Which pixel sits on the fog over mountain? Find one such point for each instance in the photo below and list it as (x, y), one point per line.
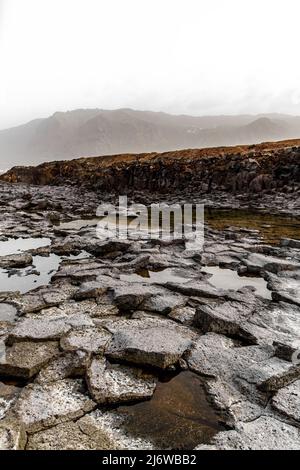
(88, 132)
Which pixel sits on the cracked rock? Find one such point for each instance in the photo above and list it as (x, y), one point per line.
(95, 431)
(90, 339)
(70, 364)
(111, 384)
(25, 359)
(17, 261)
(286, 401)
(42, 406)
(154, 342)
(248, 436)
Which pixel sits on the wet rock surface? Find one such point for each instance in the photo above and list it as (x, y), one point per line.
(139, 344)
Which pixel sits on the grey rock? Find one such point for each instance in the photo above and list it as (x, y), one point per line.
(112, 384)
(285, 288)
(38, 330)
(270, 375)
(248, 436)
(90, 290)
(286, 401)
(154, 342)
(25, 359)
(132, 296)
(8, 312)
(16, 261)
(90, 339)
(12, 434)
(197, 289)
(257, 262)
(254, 322)
(291, 243)
(95, 431)
(184, 315)
(163, 303)
(42, 406)
(8, 395)
(70, 364)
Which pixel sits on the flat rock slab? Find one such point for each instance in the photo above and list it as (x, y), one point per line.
(286, 289)
(287, 401)
(87, 307)
(25, 359)
(131, 296)
(290, 242)
(257, 262)
(270, 375)
(255, 322)
(95, 431)
(111, 384)
(69, 364)
(38, 330)
(154, 342)
(90, 290)
(44, 297)
(90, 339)
(184, 315)
(164, 303)
(197, 289)
(265, 433)
(216, 357)
(42, 406)
(16, 261)
(68, 436)
(229, 318)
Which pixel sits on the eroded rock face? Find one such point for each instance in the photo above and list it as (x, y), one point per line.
(205, 169)
(111, 384)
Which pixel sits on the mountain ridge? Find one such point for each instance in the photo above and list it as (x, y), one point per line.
(96, 132)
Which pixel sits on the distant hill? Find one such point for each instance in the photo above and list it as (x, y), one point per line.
(96, 132)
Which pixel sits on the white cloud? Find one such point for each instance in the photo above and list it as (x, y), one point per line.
(193, 56)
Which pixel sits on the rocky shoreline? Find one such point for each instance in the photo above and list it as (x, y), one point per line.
(121, 322)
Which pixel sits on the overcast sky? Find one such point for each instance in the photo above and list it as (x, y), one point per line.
(180, 56)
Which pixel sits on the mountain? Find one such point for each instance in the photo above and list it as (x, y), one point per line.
(96, 132)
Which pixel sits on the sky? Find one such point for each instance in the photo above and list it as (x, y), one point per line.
(180, 56)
